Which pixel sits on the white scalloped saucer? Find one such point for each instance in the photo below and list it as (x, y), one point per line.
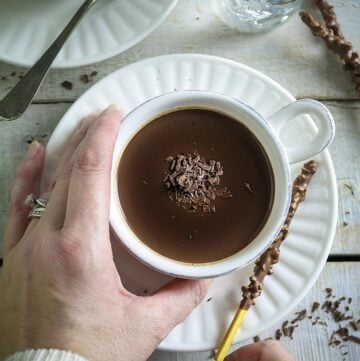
(303, 254)
(28, 27)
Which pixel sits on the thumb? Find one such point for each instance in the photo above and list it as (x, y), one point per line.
(176, 300)
(261, 351)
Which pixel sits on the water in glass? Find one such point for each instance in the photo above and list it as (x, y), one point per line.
(255, 15)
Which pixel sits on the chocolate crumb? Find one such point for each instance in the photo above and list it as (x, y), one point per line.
(278, 334)
(345, 224)
(1, 262)
(291, 331)
(350, 188)
(13, 73)
(145, 291)
(197, 18)
(349, 300)
(355, 325)
(300, 317)
(30, 140)
(315, 306)
(284, 325)
(256, 338)
(328, 292)
(67, 85)
(85, 78)
(347, 212)
(354, 339)
(209, 299)
(3, 78)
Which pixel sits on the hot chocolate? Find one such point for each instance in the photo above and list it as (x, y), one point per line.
(195, 185)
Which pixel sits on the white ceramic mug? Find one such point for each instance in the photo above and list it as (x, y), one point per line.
(267, 133)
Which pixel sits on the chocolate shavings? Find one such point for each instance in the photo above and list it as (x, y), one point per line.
(193, 182)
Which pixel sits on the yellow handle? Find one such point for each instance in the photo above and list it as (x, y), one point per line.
(230, 334)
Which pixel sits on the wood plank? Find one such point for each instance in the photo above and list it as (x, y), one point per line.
(309, 342)
(289, 54)
(40, 120)
(345, 152)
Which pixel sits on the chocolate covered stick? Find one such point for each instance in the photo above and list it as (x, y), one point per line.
(264, 264)
(330, 32)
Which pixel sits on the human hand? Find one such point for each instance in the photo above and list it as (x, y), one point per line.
(60, 287)
(261, 351)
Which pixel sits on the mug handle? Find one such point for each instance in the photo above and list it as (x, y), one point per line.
(324, 136)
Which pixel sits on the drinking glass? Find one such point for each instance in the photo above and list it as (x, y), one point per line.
(255, 15)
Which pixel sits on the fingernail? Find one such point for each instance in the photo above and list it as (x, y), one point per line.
(111, 109)
(32, 150)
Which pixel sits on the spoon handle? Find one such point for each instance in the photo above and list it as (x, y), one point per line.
(18, 99)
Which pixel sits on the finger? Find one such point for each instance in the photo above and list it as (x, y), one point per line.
(261, 351)
(89, 188)
(175, 301)
(70, 148)
(59, 186)
(26, 181)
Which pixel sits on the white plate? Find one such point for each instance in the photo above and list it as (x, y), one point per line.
(304, 253)
(28, 27)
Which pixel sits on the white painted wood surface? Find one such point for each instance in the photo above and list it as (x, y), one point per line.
(310, 343)
(290, 55)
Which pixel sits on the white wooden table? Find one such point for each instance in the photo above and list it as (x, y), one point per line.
(290, 55)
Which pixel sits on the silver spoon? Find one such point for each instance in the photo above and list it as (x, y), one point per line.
(18, 99)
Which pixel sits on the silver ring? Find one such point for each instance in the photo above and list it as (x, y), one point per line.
(37, 205)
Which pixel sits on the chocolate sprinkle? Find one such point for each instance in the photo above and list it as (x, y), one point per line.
(335, 313)
(300, 316)
(193, 182)
(88, 78)
(315, 306)
(68, 85)
(264, 264)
